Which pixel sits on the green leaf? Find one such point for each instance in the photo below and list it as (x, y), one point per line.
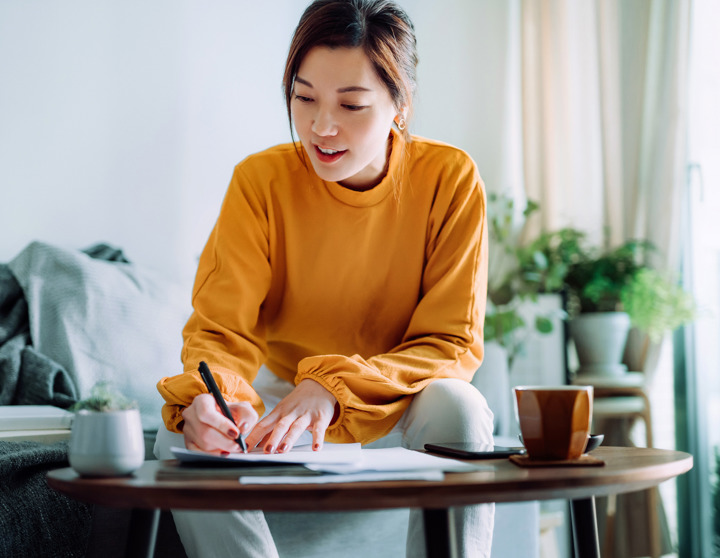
(543, 324)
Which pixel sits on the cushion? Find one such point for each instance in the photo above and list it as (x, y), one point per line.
(104, 321)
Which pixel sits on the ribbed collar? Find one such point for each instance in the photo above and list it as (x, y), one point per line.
(377, 194)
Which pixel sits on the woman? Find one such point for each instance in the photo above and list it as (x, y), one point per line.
(342, 290)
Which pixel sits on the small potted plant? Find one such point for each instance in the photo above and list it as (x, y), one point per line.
(107, 437)
(611, 291)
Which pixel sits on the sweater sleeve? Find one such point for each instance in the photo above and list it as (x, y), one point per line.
(226, 328)
(444, 338)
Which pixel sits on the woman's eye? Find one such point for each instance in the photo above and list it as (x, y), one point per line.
(354, 107)
(303, 99)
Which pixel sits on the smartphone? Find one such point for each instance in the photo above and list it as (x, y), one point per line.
(472, 450)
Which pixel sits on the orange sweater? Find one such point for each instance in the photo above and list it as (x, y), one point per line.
(372, 294)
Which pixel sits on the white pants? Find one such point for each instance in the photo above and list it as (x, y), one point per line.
(447, 410)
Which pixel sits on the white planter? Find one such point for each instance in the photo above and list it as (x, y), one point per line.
(493, 381)
(600, 339)
(104, 444)
(541, 360)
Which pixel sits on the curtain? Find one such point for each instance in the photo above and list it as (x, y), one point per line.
(604, 113)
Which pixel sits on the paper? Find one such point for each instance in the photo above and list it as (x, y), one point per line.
(352, 477)
(331, 453)
(340, 460)
(397, 459)
(173, 470)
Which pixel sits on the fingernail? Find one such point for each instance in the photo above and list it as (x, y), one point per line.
(224, 453)
(232, 433)
(316, 446)
(269, 449)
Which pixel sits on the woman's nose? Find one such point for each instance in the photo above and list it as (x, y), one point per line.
(324, 123)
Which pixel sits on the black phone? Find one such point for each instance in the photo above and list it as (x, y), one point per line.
(473, 450)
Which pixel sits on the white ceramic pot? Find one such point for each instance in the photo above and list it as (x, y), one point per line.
(492, 379)
(106, 444)
(600, 339)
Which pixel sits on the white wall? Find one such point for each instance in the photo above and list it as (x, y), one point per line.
(121, 121)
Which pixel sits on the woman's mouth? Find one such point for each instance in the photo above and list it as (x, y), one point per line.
(326, 155)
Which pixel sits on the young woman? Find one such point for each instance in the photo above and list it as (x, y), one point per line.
(342, 291)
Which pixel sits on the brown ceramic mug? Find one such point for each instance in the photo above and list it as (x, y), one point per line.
(554, 420)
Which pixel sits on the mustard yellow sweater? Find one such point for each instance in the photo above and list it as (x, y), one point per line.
(372, 294)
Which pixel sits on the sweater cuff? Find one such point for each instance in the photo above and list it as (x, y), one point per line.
(324, 370)
(180, 391)
(332, 387)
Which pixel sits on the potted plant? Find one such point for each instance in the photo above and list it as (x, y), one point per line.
(607, 292)
(523, 277)
(106, 437)
(508, 324)
(613, 290)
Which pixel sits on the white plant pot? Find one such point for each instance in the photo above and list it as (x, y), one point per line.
(600, 339)
(105, 444)
(492, 379)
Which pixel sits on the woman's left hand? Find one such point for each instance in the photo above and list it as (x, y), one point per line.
(308, 407)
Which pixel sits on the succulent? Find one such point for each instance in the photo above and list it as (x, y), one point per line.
(104, 398)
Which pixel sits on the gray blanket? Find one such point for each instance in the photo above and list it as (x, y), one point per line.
(36, 521)
(26, 376)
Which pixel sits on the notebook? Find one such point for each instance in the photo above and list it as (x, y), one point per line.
(34, 417)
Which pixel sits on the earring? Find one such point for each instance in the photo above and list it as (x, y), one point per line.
(401, 124)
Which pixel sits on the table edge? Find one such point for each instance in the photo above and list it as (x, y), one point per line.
(457, 489)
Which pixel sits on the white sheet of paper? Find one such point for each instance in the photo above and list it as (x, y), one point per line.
(373, 476)
(338, 459)
(398, 459)
(331, 453)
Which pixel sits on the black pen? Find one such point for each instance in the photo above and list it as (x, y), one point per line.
(207, 377)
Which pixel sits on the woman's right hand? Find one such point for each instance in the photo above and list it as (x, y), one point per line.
(207, 429)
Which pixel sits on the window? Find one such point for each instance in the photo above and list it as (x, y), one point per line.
(698, 380)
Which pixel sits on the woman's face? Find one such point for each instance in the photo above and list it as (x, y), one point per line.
(343, 113)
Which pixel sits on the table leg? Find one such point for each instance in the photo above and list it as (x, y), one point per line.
(437, 533)
(585, 531)
(142, 533)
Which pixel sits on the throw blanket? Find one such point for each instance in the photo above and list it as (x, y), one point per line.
(36, 521)
(26, 376)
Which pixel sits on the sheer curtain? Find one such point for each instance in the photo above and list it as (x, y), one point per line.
(604, 114)
(604, 117)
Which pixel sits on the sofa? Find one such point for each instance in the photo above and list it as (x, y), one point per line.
(92, 315)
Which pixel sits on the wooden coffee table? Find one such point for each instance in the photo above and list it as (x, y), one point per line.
(625, 470)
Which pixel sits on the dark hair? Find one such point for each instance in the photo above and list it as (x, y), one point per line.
(380, 27)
